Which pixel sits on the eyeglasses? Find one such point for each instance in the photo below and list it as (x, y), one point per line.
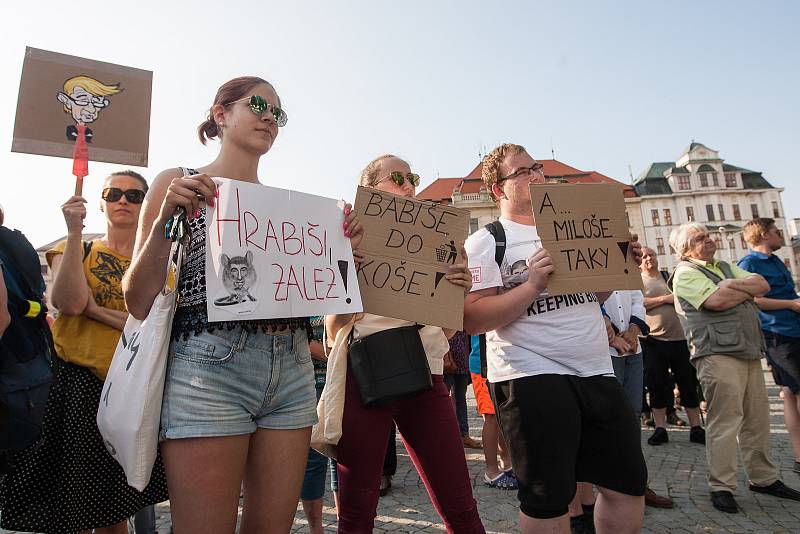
(85, 100)
(524, 171)
(398, 178)
(259, 106)
(113, 194)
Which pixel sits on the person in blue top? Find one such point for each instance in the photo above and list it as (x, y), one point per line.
(780, 319)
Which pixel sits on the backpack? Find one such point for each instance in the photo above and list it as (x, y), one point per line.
(26, 347)
(498, 232)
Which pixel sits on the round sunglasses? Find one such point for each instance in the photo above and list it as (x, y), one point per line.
(259, 106)
(113, 194)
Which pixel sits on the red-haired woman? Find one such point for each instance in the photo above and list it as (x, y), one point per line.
(239, 399)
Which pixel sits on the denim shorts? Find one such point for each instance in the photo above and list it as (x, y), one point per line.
(232, 382)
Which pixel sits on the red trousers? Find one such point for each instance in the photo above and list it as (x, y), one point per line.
(429, 429)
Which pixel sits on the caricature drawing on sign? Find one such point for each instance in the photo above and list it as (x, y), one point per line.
(83, 97)
(238, 278)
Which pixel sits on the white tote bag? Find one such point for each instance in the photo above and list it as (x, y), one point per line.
(130, 406)
(325, 435)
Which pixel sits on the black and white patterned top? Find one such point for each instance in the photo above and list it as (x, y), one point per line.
(191, 313)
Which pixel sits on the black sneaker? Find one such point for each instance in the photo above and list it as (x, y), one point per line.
(659, 437)
(724, 501)
(777, 489)
(697, 435)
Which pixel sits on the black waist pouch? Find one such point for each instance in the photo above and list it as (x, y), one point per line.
(390, 365)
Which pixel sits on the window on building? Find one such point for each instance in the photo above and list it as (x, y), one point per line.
(731, 244)
(730, 179)
(710, 212)
(667, 217)
(776, 212)
(742, 242)
(703, 179)
(628, 219)
(718, 241)
(660, 245)
(721, 212)
(689, 214)
(780, 233)
(737, 214)
(473, 225)
(754, 210)
(683, 183)
(654, 217)
(714, 179)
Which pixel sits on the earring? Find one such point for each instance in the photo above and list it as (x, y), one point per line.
(221, 125)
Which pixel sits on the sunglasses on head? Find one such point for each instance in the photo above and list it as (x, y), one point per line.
(259, 106)
(398, 178)
(113, 194)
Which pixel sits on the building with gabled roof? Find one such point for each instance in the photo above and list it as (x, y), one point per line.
(469, 192)
(700, 186)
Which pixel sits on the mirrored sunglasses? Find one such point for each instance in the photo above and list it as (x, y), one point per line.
(259, 106)
(398, 178)
(113, 194)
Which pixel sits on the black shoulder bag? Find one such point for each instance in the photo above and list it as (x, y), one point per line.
(390, 365)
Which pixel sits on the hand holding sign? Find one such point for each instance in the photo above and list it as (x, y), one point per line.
(540, 266)
(459, 274)
(584, 228)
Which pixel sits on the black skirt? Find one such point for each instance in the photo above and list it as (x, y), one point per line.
(68, 482)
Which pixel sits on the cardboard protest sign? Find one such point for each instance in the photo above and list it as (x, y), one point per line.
(584, 228)
(68, 100)
(273, 253)
(408, 245)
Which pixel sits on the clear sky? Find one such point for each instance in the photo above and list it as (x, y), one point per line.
(609, 84)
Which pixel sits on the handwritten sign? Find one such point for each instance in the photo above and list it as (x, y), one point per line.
(408, 245)
(273, 253)
(584, 228)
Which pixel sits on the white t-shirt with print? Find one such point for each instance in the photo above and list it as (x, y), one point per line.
(563, 335)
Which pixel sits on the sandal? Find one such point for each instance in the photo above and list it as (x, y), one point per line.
(502, 481)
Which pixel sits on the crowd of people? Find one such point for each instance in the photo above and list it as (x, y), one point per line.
(241, 397)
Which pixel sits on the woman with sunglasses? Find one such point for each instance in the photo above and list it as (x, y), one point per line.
(426, 421)
(239, 399)
(70, 483)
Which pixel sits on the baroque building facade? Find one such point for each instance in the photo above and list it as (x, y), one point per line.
(700, 186)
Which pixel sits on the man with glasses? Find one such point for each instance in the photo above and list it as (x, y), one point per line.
(83, 97)
(561, 410)
(714, 301)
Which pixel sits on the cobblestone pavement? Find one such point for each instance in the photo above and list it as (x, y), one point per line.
(677, 469)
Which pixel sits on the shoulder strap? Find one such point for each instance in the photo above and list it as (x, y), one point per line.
(87, 249)
(498, 232)
(726, 269)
